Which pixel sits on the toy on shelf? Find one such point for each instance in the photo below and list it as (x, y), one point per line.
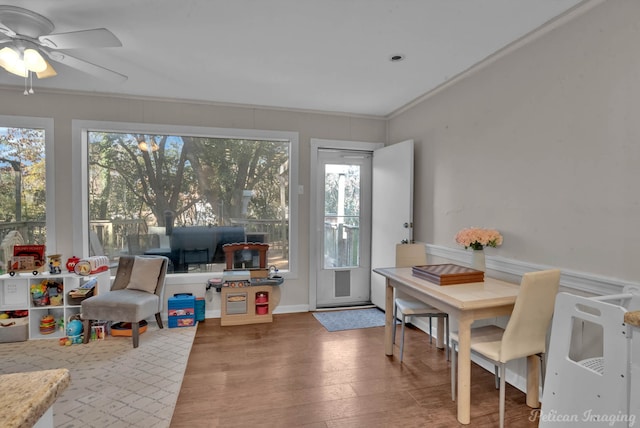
(55, 260)
(40, 294)
(47, 292)
(71, 263)
(48, 324)
(27, 258)
(85, 290)
(55, 290)
(92, 265)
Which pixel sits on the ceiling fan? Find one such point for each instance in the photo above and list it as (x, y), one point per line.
(26, 35)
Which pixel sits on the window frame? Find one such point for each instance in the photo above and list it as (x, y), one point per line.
(80, 185)
(45, 123)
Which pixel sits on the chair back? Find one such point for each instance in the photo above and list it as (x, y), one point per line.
(95, 245)
(526, 331)
(123, 275)
(408, 255)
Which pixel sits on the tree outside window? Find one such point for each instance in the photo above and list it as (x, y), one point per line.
(23, 184)
(146, 190)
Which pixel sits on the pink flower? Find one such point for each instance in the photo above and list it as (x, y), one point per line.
(477, 238)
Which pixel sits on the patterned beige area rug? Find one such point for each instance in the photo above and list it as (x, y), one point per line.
(112, 384)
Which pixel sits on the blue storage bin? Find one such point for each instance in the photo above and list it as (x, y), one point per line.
(182, 311)
(200, 309)
(184, 321)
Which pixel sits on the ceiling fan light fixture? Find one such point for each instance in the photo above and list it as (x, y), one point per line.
(34, 61)
(31, 61)
(8, 55)
(48, 72)
(10, 61)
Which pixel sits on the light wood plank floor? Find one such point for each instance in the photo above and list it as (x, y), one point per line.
(293, 373)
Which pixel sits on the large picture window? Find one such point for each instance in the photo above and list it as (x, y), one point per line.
(184, 196)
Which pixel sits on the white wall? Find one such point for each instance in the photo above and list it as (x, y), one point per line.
(65, 107)
(542, 144)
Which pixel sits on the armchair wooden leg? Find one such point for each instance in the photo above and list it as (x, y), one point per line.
(86, 328)
(135, 326)
(159, 320)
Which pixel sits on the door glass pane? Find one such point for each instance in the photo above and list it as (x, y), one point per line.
(341, 216)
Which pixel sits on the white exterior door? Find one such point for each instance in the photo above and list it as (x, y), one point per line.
(343, 235)
(392, 209)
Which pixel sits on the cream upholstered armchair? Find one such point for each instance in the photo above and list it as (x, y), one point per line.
(137, 293)
(526, 331)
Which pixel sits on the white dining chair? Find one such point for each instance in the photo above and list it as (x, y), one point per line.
(409, 255)
(525, 334)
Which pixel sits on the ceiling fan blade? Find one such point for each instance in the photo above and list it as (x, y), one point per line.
(85, 66)
(6, 30)
(96, 38)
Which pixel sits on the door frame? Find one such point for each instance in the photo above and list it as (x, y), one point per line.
(315, 145)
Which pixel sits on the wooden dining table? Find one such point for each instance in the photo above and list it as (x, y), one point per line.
(466, 303)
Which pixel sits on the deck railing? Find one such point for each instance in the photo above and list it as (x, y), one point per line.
(110, 236)
(33, 232)
(341, 245)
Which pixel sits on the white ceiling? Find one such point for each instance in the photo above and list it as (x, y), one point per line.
(326, 55)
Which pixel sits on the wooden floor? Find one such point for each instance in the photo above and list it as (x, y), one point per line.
(293, 373)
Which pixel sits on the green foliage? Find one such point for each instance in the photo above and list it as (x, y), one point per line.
(22, 171)
(200, 179)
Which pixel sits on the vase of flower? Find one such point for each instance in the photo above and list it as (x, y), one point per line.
(477, 260)
(476, 239)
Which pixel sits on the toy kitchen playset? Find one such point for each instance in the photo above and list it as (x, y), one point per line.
(249, 290)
